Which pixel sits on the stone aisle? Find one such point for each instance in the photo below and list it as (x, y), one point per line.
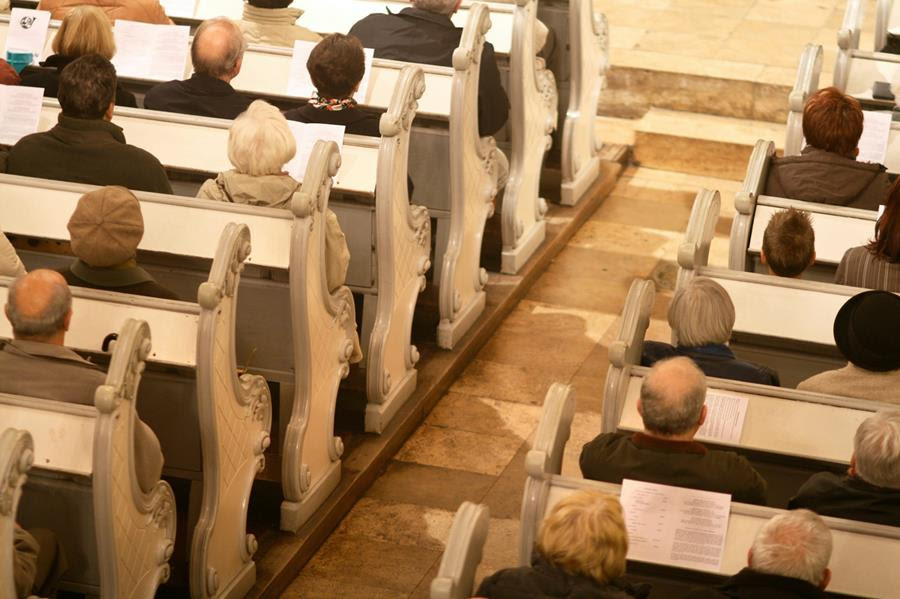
(472, 446)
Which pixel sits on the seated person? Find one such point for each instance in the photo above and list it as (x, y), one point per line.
(37, 363)
(217, 53)
(259, 146)
(336, 66)
(85, 30)
(876, 265)
(672, 407)
(580, 552)
(870, 491)
(826, 171)
(424, 33)
(701, 316)
(867, 333)
(274, 23)
(10, 264)
(84, 146)
(105, 230)
(789, 243)
(789, 558)
(147, 11)
(38, 562)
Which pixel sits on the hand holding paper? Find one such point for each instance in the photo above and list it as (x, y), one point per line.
(306, 136)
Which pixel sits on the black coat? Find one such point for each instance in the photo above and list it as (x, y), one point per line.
(714, 360)
(545, 581)
(848, 497)
(611, 457)
(748, 584)
(356, 120)
(91, 151)
(200, 95)
(47, 77)
(415, 35)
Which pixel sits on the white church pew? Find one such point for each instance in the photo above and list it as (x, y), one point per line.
(83, 485)
(860, 562)
(233, 415)
(811, 427)
(389, 239)
(456, 574)
(289, 243)
(837, 228)
(16, 458)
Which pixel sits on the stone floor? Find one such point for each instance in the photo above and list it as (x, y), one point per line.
(473, 444)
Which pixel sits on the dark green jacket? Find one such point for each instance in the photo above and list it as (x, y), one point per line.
(87, 151)
(612, 457)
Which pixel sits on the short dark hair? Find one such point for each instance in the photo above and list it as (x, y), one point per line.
(789, 242)
(336, 66)
(833, 121)
(886, 244)
(86, 87)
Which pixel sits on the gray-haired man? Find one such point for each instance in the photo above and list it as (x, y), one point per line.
(672, 408)
(870, 491)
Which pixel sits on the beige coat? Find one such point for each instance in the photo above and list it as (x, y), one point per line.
(852, 381)
(10, 265)
(24, 561)
(146, 11)
(274, 26)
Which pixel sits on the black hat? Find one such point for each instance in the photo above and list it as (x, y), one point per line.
(867, 330)
(270, 3)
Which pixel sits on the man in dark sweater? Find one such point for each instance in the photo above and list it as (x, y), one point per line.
(424, 33)
(105, 231)
(85, 147)
(672, 408)
(870, 491)
(217, 53)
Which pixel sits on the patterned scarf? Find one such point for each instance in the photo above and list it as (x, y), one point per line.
(331, 105)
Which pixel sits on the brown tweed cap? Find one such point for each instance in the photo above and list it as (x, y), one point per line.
(106, 227)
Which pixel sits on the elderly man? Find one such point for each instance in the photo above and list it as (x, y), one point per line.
(84, 146)
(424, 33)
(826, 171)
(789, 559)
(870, 491)
(217, 54)
(37, 363)
(672, 408)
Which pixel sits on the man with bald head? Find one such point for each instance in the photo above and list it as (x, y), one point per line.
(36, 362)
(217, 54)
(672, 407)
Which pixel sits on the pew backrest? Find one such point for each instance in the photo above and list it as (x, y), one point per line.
(456, 574)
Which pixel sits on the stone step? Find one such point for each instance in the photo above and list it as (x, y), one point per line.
(686, 142)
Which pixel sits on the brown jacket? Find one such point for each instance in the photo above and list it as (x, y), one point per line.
(146, 11)
(819, 176)
(48, 371)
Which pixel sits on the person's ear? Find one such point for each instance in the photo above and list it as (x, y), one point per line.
(812, 260)
(856, 152)
(826, 578)
(851, 471)
(640, 408)
(237, 67)
(750, 557)
(109, 111)
(762, 257)
(702, 416)
(67, 320)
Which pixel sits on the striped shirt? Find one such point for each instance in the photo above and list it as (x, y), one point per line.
(861, 268)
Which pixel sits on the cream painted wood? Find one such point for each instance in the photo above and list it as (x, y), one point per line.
(311, 465)
(806, 83)
(403, 238)
(456, 574)
(63, 438)
(887, 15)
(16, 457)
(860, 562)
(478, 169)
(589, 48)
(848, 40)
(745, 203)
(532, 121)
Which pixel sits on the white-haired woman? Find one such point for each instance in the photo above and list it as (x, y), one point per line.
(580, 553)
(259, 145)
(702, 316)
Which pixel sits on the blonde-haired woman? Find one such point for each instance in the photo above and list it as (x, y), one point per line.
(259, 145)
(85, 30)
(580, 553)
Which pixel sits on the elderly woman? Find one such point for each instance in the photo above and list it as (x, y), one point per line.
(259, 145)
(85, 30)
(580, 552)
(701, 316)
(336, 66)
(877, 264)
